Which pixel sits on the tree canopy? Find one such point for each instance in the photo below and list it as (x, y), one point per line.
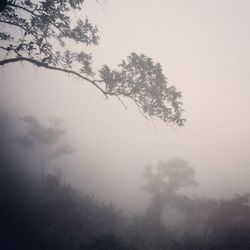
(170, 176)
(163, 184)
(46, 140)
(39, 32)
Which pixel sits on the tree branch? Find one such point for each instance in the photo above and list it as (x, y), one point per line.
(33, 33)
(23, 8)
(44, 65)
(4, 48)
(35, 15)
(14, 24)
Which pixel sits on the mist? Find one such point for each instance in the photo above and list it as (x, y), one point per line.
(203, 48)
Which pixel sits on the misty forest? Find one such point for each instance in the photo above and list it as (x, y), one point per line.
(124, 125)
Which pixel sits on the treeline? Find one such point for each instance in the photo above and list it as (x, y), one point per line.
(53, 215)
(57, 216)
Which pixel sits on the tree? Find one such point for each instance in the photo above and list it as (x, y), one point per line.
(164, 183)
(42, 138)
(170, 176)
(38, 32)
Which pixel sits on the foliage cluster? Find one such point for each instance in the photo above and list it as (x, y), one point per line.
(48, 34)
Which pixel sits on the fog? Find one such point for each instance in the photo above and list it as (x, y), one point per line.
(108, 149)
(204, 50)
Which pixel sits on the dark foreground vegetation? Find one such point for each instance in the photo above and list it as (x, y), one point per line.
(54, 215)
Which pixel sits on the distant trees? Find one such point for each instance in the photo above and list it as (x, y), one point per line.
(65, 218)
(207, 223)
(164, 181)
(45, 140)
(62, 218)
(39, 32)
(230, 221)
(109, 241)
(169, 176)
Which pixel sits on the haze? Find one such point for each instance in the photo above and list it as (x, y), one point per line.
(203, 47)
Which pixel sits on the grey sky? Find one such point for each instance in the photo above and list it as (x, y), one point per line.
(204, 48)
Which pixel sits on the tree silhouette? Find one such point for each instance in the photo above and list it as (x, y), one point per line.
(169, 176)
(163, 184)
(38, 32)
(42, 138)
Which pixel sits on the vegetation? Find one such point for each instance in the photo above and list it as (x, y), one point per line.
(164, 184)
(53, 214)
(41, 139)
(58, 216)
(40, 32)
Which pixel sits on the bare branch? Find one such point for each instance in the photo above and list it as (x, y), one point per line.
(122, 102)
(44, 65)
(14, 24)
(4, 48)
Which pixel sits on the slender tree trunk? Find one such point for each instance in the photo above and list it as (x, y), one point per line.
(42, 166)
(43, 173)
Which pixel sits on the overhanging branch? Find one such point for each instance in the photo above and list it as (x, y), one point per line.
(35, 15)
(44, 65)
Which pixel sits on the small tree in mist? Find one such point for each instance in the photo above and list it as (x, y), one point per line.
(45, 140)
(164, 182)
(38, 32)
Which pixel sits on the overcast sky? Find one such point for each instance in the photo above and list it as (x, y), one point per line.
(204, 48)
